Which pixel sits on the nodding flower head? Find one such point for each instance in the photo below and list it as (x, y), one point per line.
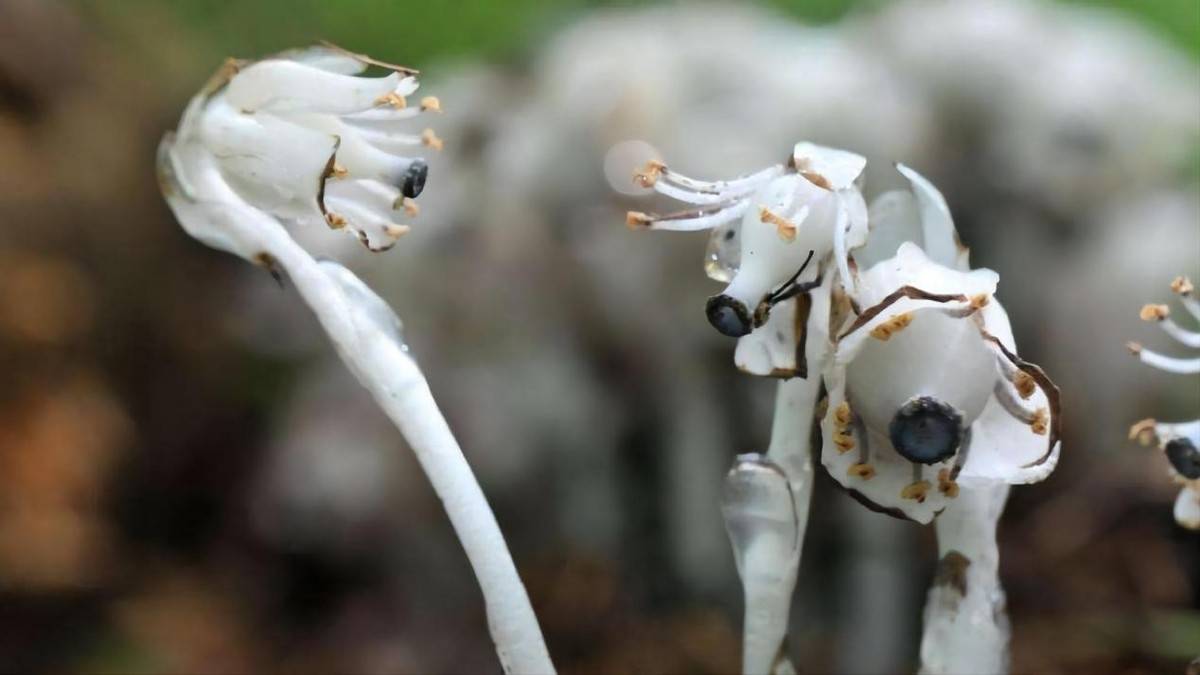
(1179, 442)
(925, 389)
(775, 233)
(298, 138)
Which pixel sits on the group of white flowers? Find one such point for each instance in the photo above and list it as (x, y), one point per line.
(924, 388)
(897, 351)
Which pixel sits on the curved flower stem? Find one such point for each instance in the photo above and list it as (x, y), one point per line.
(966, 627)
(381, 363)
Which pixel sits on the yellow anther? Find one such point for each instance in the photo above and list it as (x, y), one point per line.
(916, 491)
(841, 415)
(843, 441)
(393, 99)
(338, 171)
(637, 220)
(1024, 384)
(1134, 348)
(947, 485)
(980, 301)
(1144, 431)
(432, 104)
(894, 325)
(335, 221)
(1182, 286)
(1154, 312)
(1040, 422)
(861, 470)
(648, 175)
(785, 228)
(410, 206)
(396, 231)
(430, 139)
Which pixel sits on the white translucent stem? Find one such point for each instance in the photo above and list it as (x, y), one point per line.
(383, 366)
(767, 608)
(966, 626)
(1187, 337)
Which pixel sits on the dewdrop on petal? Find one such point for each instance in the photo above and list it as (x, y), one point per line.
(302, 138)
(1179, 442)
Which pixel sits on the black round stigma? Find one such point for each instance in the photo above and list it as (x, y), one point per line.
(413, 180)
(728, 315)
(1184, 456)
(926, 430)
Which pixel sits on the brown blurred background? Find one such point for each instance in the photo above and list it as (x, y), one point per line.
(190, 482)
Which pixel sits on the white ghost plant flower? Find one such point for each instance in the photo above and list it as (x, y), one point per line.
(296, 139)
(301, 137)
(930, 410)
(926, 392)
(775, 234)
(1180, 442)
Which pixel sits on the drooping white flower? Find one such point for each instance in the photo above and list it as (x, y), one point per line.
(288, 140)
(1181, 441)
(300, 138)
(777, 233)
(925, 388)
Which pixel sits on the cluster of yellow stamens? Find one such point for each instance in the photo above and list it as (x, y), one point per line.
(785, 228)
(1144, 431)
(1154, 312)
(916, 491)
(637, 220)
(1040, 422)
(430, 139)
(842, 437)
(1024, 384)
(649, 174)
(861, 470)
(393, 99)
(894, 325)
(947, 485)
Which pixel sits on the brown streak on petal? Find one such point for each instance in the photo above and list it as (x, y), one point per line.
(800, 326)
(405, 70)
(330, 171)
(1048, 388)
(911, 292)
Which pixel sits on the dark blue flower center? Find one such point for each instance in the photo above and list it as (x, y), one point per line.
(926, 430)
(1184, 456)
(728, 315)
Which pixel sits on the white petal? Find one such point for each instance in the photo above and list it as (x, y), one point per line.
(935, 355)
(839, 168)
(940, 239)
(892, 472)
(207, 208)
(767, 260)
(773, 348)
(325, 58)
(1187, 507)
(275, 165)
(894, 220)
(290, 86)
